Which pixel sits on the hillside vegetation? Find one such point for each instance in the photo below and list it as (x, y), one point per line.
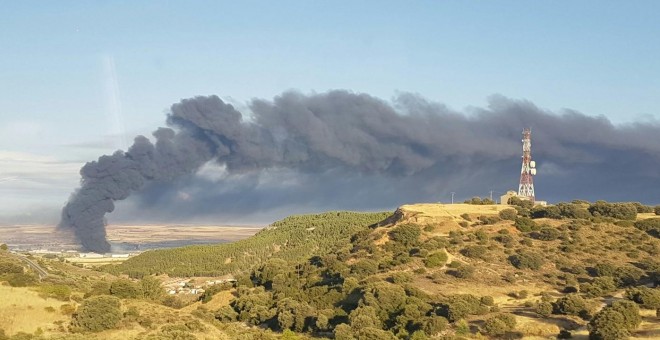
(428, 271)
(293, 239)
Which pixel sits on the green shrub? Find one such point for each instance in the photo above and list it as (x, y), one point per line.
(151, 288)
(630, 312)
(545, 212)
(571, 304)
(605, 269)
(499, 325)
(479, 201)
(365, 267)
(572, 210)
(21, 280)
(401, 277)
(7, 267)
(488, 219)
(546, 234)
(406, 234)
(475, 252)
(656, 209)
(457, 310)
(525, 224)
(641, 208)
(543, 308)
(650, 226)
(527, 260)
(125, 289)
(526, 204)
(487, 300)
(648, 298)
(343, 332)
(226, 314)
(599, 286)
(620, 211)
(463, 271)
(508, 214)
(628, 276)
(608, 324)
(436, 259)
(59, 292)
(97, 313)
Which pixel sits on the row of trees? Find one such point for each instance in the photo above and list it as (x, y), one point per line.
(583, 210)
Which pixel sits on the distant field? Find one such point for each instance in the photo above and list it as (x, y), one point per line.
(125, 237)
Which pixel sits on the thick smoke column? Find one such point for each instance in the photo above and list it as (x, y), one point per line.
(345, 135)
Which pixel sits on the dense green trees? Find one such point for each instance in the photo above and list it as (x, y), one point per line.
(608, 325)
(406, 234)
(294, 238)
(499, 325)
(125, 289)
(508, 214)
(97, 313)
(527, 260)
(572, 304)
(525, 204)
(621, 211)
(8, 267)
(615, 322)
(525, 224)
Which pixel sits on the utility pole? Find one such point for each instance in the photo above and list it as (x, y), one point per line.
(491, 195)
(452, 197)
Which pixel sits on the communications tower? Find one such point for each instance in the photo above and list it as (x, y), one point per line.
(526, 187)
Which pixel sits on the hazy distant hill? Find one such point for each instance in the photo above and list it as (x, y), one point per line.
(294, 238)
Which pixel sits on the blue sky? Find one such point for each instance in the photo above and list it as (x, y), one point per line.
(79, 79)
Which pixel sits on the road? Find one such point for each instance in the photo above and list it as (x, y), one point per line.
(42, 273)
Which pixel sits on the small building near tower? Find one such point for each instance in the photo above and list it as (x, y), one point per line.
(504, 199)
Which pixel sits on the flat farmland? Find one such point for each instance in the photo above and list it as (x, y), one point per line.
(125, 238)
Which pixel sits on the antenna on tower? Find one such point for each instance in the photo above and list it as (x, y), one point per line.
(526, 186)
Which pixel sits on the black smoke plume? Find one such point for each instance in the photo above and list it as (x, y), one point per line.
(341, 149)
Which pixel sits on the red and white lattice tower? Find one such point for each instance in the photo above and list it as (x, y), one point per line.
(528, 171)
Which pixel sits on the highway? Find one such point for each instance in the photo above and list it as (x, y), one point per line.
(42, 273)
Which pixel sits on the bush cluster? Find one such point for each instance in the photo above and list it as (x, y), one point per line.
(479, 201)
(97, 313)
(620, 211)
(615, 321)
(436, 259)
(527, 260)
(651, 226)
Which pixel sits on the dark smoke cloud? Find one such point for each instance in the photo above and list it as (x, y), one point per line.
(340, 150)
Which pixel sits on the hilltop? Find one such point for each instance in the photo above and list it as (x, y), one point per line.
(425, 271)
